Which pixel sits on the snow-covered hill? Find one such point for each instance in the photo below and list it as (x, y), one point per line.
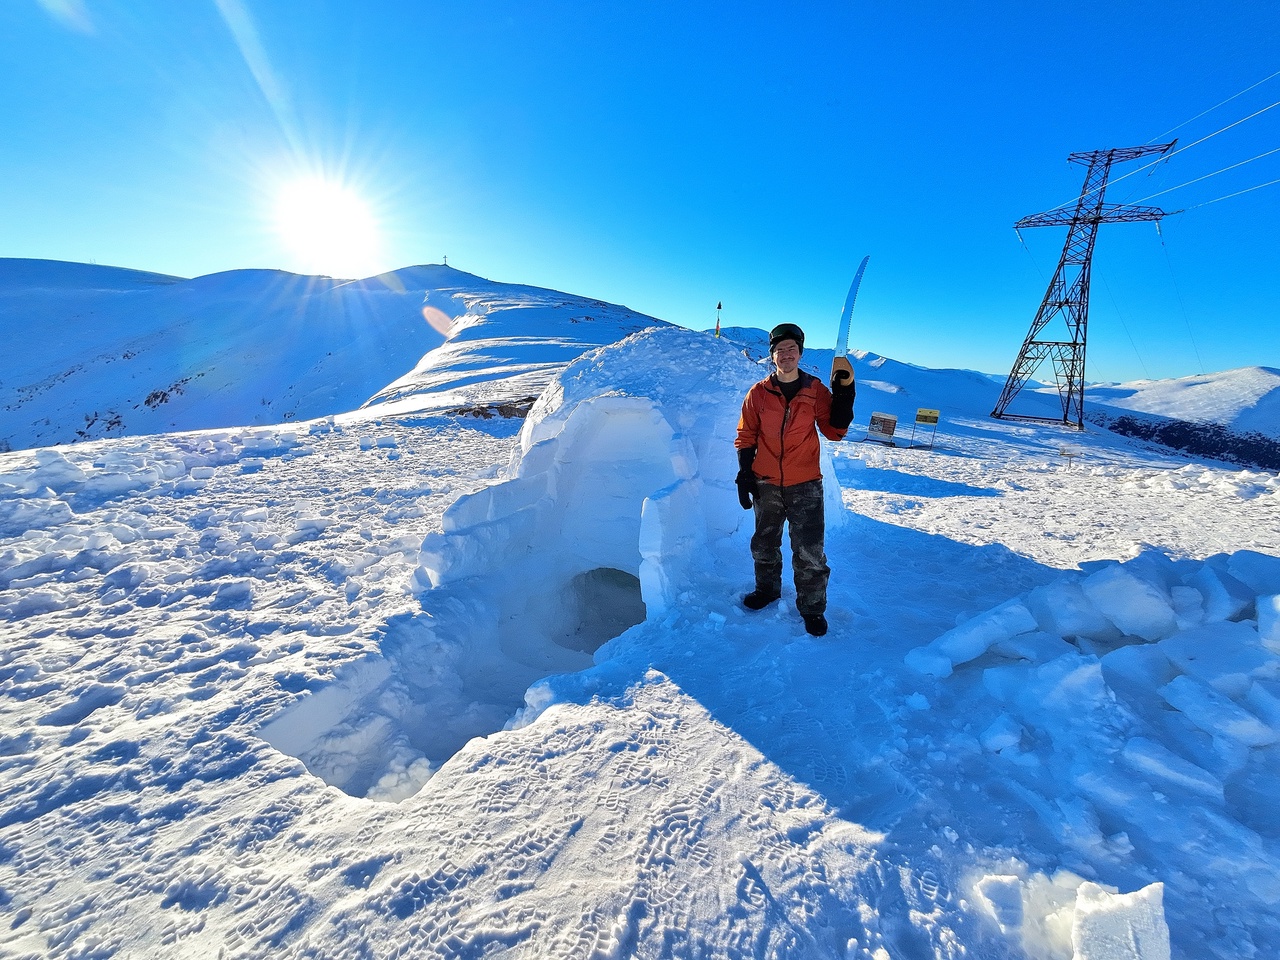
(404, 682)
(1245, 400)
(101, 352)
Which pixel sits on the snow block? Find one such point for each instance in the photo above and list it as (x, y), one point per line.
(1005, 732)
(1036, 647)
(1260, 572)
(1062, 608)
(1224, 655)
(1215, 714)
(1225, 597)
(1138, 607)
(928, 661)
(1269, 622)
(1120, 926)
(1136, 672)
(1155, 761)
(1188, 605)
(971, 639)
(1002, 898)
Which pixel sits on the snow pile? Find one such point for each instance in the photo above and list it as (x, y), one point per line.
(1171, 669)
(1064, 916)
(1149, 599)
(1196, 478)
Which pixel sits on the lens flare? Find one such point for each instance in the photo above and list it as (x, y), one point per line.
(327, 228)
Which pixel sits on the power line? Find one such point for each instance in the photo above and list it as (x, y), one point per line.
(1215, 107)
(1125, 326)
(1230, 195)
(1208, 175)
(1170, 156)
(1174, 279)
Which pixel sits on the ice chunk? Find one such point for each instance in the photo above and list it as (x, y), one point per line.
(1002, 897)
(972, 639)
(1215, 714)
(1225, 597)
(1037, 646)
(55, 471)
(1224, 655)
(1005, 732)
(1263, 699)
(1260, 572)
(1188, 605)
(1155, 760)
(1135, 672)
(927, 660)
(1062, 608)
(1138, 607)
(1120, 926)
(1269, 621)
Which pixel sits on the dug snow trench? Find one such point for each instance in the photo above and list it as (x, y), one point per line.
(599, 520)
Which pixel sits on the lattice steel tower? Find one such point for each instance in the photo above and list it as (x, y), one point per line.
(1068, 293)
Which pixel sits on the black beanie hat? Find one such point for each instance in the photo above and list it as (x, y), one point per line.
(786, 331)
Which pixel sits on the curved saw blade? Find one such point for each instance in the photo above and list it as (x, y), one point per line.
(846, 318)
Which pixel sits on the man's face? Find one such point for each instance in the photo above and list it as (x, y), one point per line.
(786, 355)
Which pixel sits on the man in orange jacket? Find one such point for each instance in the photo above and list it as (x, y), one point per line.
(779, 473)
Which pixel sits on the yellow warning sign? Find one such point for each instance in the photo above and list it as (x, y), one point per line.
(927, 416)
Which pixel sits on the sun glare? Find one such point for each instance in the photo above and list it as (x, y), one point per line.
(328, 229)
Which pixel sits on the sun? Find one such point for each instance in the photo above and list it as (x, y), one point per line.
(327, 228)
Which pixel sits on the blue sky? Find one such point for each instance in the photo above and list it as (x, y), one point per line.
(670, 155)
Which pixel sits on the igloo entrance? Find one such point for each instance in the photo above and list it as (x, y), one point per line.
(457, 671)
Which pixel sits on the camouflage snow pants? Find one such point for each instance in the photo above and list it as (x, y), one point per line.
(801, 507)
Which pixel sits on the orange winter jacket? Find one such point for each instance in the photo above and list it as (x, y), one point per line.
(783, 434)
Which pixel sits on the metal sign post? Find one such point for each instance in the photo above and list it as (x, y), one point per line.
(926, 416)
(882, 428)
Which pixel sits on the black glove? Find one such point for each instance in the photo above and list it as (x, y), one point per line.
(746, 480)
(841, 398)
(842, 404)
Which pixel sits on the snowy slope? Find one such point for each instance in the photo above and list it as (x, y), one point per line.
(506, 344)
(434, 686)
(112, 353)
(121, 353)
(1246, 400)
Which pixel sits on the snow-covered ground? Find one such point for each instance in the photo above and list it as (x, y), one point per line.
(397, 683)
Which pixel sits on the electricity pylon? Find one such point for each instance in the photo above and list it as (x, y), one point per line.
(1068, 293)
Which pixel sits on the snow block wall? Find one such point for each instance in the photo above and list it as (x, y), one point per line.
(624, 464)
(1139, 683)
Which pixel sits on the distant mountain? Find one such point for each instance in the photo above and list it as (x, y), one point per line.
(97, 351)
(1244, 400)
(100, 351)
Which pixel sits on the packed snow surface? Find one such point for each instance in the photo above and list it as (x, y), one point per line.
(409, 684)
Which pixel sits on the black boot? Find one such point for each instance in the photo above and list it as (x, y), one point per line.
(815, 624)
(758, 599)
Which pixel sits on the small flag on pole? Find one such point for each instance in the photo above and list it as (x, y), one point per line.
(718, 306)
